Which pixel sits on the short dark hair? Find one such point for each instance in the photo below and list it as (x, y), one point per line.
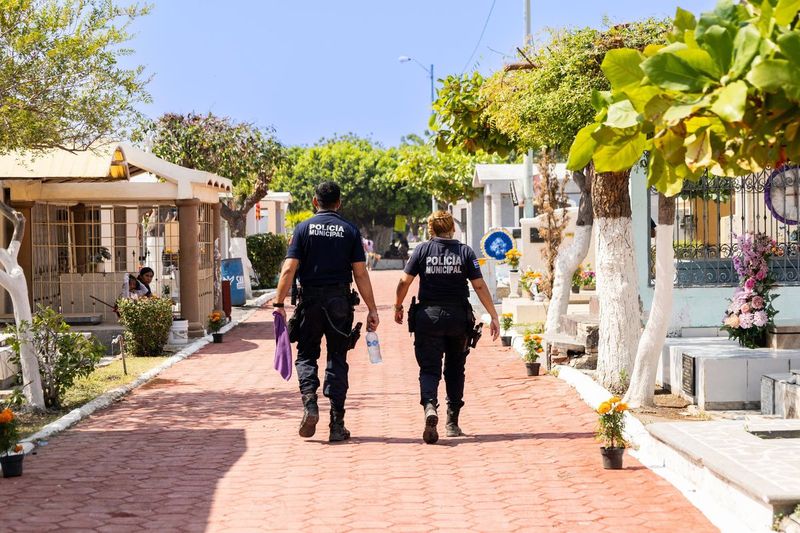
(328, 194)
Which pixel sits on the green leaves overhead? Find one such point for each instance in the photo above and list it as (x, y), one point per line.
(622, 68)
(723, 97)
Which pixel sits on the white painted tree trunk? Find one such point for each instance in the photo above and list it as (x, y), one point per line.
(566, 263)
(642, 388)
(239, 249)
(617, 291)
(12, 279)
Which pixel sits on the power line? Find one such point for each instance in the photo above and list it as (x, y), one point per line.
(485, 24)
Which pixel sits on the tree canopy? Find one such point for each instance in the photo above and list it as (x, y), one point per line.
(721, 97)
(364, 172)
(447, 175)
(545, 105)
(61, 84)
(248, 155)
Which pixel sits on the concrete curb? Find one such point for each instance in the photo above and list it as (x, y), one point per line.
(109, 397)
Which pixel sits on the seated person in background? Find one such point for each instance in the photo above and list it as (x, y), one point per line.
(131, 288)
(145, 277)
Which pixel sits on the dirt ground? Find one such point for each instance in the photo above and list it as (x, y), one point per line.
(668, 408)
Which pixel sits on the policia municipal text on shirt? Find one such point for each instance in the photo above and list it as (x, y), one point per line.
(443, 322)
(325, 255)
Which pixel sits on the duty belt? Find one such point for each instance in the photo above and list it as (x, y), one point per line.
(324, 291)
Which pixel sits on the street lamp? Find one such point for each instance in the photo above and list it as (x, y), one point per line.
(429, 71)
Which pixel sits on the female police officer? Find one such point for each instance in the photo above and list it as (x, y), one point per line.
(443, 320)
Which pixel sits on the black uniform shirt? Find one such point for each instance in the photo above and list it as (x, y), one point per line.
(443, 266)
(326, 245)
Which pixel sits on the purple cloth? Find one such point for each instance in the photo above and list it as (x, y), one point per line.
(283, 349)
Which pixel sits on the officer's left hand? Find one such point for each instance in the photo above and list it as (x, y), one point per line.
(398, 316)
(494, 328)
(281, 311)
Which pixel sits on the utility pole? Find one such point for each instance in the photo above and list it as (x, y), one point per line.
(527, 186)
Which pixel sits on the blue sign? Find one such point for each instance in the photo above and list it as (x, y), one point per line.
(496, 243)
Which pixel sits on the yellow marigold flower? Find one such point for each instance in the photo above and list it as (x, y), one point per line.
(6, 416)
(604, 408)
(614, 399)
(18, 448)
(620, 407)
(537, 338)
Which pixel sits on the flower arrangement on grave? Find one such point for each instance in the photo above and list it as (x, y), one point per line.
(512, 258)
(530, 281)
(577, 277)
(506, 321)
(215, 321)
(611, 423)
(588, 278)
(751, 312)
(9, 433)
(532, 343)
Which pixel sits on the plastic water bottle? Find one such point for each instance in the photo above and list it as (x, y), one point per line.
(374, 348)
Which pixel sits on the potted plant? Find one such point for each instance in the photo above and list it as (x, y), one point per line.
(577, 279)
(215, 322)
(97, 258)
(532, 343)
(588, 278)
(506, 322)
(610, 426)
(529, 281)
(512, 260)
(10, 450)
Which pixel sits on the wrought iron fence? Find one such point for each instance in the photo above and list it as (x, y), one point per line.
(711, 213)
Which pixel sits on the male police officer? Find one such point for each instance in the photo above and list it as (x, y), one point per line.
(326, 254)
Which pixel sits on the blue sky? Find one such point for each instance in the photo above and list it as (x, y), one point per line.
(313, 69)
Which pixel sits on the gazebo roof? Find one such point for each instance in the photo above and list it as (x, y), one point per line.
(104, 162)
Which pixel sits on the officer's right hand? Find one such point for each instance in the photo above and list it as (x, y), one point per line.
(281, 311)
(372, 320)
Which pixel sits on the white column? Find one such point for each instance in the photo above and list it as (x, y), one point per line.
(487, 209)
(497, 210)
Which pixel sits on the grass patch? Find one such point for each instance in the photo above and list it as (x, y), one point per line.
(87, 389)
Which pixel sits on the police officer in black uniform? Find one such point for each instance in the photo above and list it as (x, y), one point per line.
(443, 320)
(325, 254)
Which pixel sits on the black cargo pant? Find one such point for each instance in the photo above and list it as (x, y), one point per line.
(329, 313)
(442, 330)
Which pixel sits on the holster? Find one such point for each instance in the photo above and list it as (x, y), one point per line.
(412, 315)
(293, 324)
(474, 331)
(353, 298)
(354, 336)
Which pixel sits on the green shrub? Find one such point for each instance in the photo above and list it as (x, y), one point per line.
(266, 251)
(294, 218)
(147, 322)
(63, 355)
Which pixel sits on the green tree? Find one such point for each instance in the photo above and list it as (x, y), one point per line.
(364, 172)
(61, 86)
(460, 121)
(721, 97)
(248, 155)
(448, 175)
(545, 105)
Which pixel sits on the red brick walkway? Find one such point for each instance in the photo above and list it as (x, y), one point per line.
(212, 445)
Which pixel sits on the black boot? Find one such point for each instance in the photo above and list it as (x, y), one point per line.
(338, 431)
(452, 423)
(310, 415)
(430, 435)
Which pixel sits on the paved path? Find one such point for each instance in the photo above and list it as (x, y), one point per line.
(212, 445)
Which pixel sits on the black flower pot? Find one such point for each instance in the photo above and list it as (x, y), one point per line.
(612, 457)
(12, 465)
(576, 289)
(506, 340)
(532, 368)
(217, 337)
